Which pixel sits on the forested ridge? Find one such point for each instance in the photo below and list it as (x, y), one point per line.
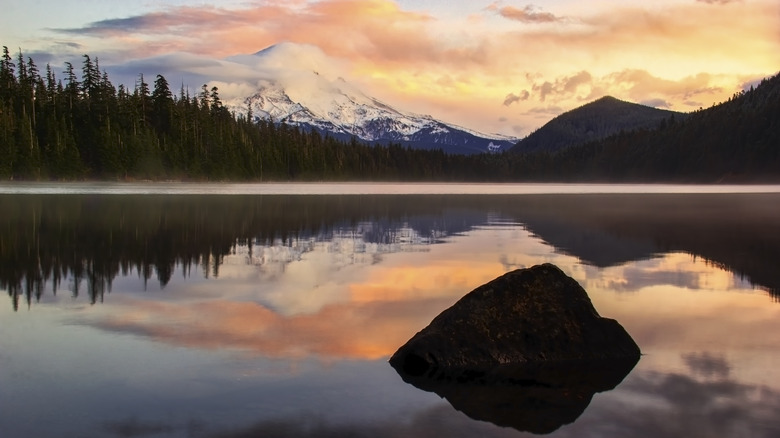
(81, 126)
(737, 140)
(74, 124)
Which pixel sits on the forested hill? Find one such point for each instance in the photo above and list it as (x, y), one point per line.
(593, 121)
(81, 126)
(735, 141)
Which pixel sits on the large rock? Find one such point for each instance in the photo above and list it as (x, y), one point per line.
(528, 316)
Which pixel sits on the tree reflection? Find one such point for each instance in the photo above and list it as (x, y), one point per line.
(92, 239)
(89, 240)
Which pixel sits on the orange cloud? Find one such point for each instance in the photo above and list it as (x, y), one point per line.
(464, 70)
(379, 316)
(340, 331)
(635, 85)
(379, 313)
(371, 28)
(527, 14)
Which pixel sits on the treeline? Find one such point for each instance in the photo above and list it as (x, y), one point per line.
(81, 126)
(734, 141)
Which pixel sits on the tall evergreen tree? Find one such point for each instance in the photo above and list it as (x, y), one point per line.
(71, 85)
(162, 105)
(7, 76)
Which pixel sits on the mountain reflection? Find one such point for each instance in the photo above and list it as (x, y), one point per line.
(89, 240)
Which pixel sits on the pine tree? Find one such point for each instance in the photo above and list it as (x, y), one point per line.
(142, 96)
(71, 86)
(7, 76)
(162, 105)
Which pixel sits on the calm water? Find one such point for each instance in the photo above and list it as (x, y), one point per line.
(240, 311)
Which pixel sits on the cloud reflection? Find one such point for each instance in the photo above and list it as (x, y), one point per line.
(675, 405)
(341, 331)
(647, 404)
(707, 365)
(364, 311)
(439, 420)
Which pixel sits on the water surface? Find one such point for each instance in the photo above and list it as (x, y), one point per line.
(230, 311)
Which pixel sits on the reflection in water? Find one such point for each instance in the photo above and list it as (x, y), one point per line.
(538, 398)
(647, 405)
(93, 239)
(279, 312)
(684, 404)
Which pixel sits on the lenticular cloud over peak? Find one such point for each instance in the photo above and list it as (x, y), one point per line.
(284, 58)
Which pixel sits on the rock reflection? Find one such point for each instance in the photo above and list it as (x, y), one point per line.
(537, 398)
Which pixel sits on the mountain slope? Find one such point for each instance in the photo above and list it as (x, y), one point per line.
(593, 121)
(735, 141)
(291, 89)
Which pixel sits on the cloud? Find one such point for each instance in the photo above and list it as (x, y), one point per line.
(457, 68)
(652, 404)
(438, 419)
(514, 98)
(375, 317)
(565, 86)
(719, 2)
(751, 83)
(369, 28)
(527, 14)
(253, 327)
(635, 85)
(656, 103)
(637, 278)
(571, 83)
(549, 110)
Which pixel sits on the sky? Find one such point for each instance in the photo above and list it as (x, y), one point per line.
(501, 66)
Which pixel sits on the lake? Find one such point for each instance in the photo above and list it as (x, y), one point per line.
(217, 310)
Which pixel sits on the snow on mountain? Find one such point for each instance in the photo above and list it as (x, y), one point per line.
(299, 85)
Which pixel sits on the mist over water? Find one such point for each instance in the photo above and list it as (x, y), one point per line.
(369, 188)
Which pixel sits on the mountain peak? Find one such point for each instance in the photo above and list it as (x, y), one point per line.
(608, 99)
(287, 47)
(593, 121)
(300, 85)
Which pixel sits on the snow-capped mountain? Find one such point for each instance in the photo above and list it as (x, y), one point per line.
(292, 90)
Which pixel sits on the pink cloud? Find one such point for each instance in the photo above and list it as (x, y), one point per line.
(371, 28)
(527, 14)
(719, 2)
(412, 59)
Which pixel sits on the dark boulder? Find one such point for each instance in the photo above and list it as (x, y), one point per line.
(528, 316)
